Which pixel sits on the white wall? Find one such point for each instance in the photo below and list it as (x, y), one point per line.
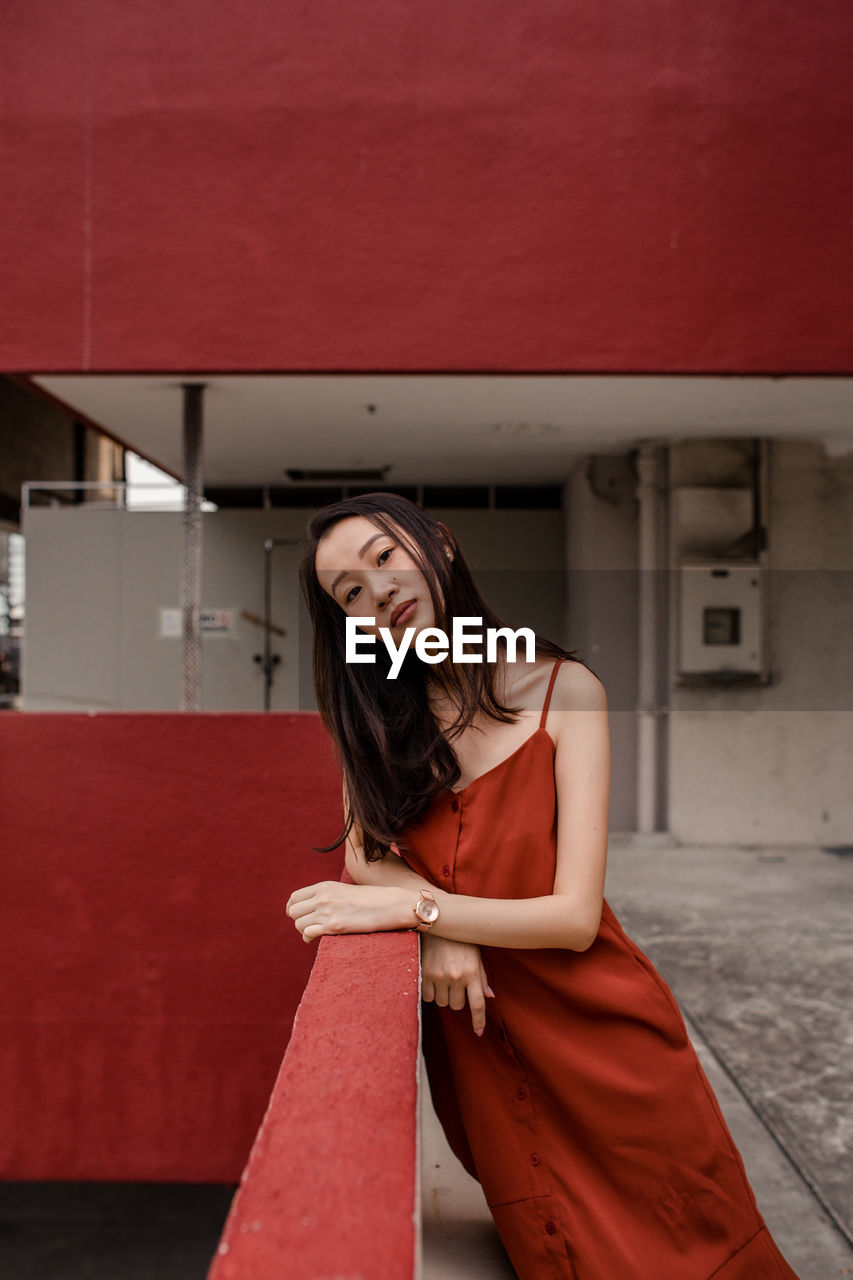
(775, 763)
(96, 580)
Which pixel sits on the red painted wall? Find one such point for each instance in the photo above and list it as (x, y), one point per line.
(150, 976)
(555, 185)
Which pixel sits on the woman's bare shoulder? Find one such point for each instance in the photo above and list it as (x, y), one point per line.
(577, 688)
(527, 684)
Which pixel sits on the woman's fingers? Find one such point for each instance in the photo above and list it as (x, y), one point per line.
(484, 982)
(297, 909)
(300, 895)
(452, 973)
(477, 1001)
(478, 989)
(457, 996)
(302, 908)
(334, 907)
(300, 903)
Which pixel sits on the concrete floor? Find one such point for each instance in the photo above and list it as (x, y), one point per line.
(759, 943)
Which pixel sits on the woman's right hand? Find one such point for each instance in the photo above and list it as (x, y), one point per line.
(452, 972)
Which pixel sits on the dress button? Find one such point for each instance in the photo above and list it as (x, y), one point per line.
(445, 871)
(521, 1094)
(454, 804)
(534, 1160)
(551, 1228)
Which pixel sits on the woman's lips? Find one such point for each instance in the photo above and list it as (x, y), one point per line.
(403, 611)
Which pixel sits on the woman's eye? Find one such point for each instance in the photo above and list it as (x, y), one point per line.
(349, 597)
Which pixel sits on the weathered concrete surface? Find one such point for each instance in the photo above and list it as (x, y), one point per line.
(757, 945)
(808, 1239)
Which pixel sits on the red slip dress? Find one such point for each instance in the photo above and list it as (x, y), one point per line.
(583, 1110)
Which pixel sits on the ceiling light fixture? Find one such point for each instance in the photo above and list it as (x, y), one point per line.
(337, 476)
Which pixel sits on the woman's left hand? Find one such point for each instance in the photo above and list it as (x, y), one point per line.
(332, 906)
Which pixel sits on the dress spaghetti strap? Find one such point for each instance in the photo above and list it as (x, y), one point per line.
(548, 694)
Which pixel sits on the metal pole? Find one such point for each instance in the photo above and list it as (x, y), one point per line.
(191, 553)
(647, 707)
(268, 546)
(268, 660)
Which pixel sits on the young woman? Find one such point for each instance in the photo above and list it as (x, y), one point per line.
(476, 800)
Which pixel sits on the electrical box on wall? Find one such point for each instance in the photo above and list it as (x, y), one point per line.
(720, 632)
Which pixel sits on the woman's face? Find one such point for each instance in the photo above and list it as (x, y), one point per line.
(371, 574)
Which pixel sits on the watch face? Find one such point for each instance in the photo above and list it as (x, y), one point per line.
(427, 911)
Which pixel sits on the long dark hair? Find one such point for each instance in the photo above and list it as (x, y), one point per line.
(393, 755)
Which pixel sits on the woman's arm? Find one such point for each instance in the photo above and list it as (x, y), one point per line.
(385, 892)
(452, 973)
(334, 907)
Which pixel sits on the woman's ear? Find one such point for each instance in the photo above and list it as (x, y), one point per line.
(449, 544)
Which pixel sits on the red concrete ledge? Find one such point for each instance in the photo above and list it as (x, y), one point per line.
(331, 1183)
(150, 974)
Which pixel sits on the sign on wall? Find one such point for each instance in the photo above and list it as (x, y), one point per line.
(212, 622)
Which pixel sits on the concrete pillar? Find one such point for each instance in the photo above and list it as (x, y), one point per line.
(192, 547)
(648, 461)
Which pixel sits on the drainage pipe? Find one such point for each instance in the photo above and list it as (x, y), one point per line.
(191, 549)
(648, 461)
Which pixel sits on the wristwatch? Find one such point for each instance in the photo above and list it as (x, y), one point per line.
(426, 910)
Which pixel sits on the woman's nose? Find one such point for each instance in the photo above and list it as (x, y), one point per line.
(383, 591)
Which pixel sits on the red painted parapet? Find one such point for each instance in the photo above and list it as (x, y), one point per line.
(331, 1184)
(150, 974)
